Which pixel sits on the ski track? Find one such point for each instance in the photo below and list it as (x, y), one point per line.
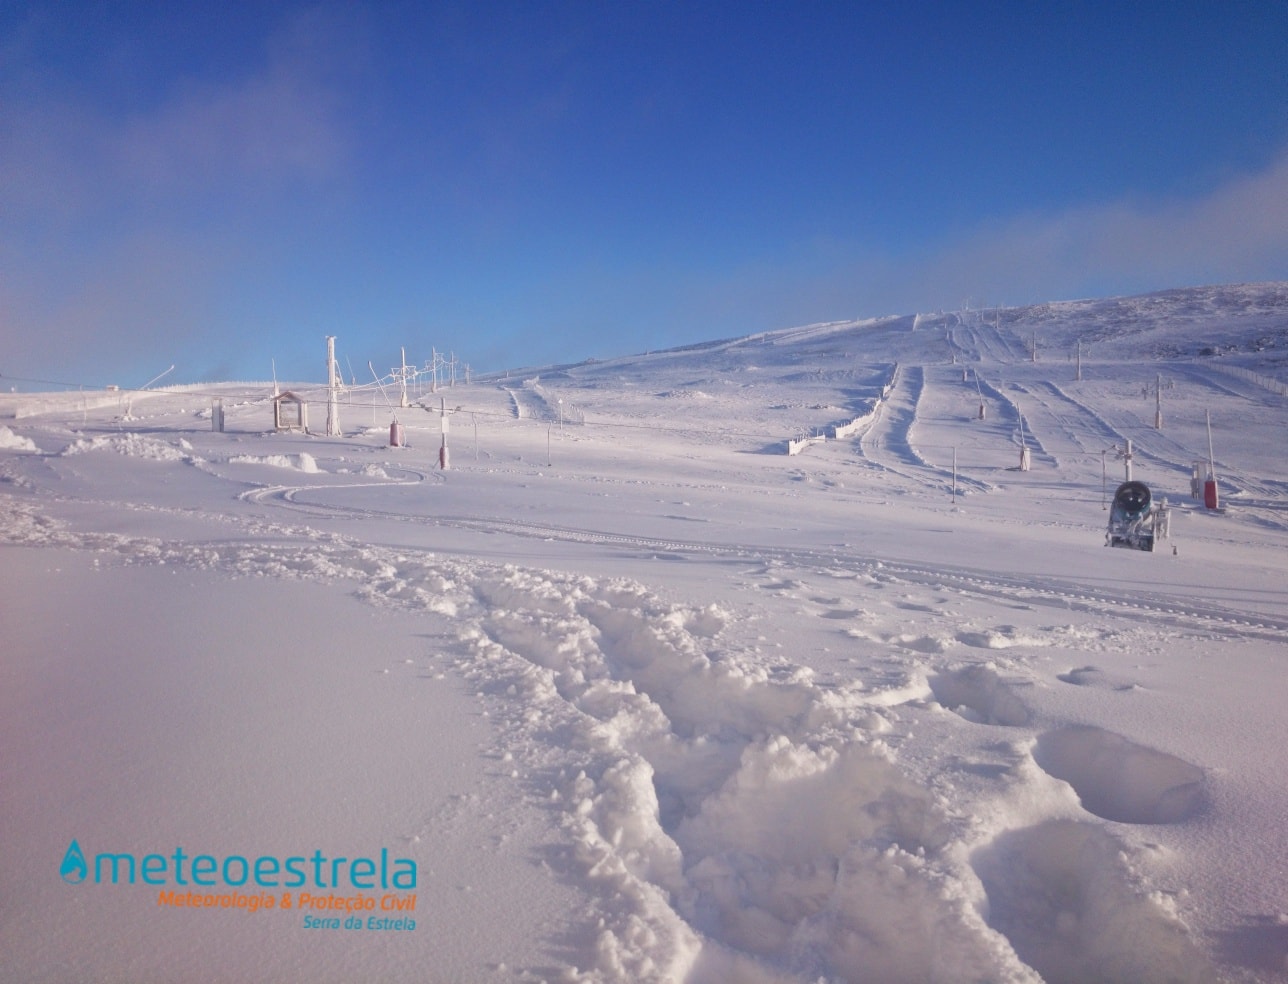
(1150, 444)
(1055, 407)
(527, 404)
(1272, 493)
(1263, 501)
(987, 343)
(888, 442)
(531, 402)
(1012, 414)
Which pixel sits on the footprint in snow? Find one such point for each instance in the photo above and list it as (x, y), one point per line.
(1092, 676)
(1117, 779)
(1062, 894)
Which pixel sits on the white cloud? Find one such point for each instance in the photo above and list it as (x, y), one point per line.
(119, 227)
(268, 128)
(1237, 232)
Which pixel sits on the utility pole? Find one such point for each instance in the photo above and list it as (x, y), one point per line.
(1158, 402)
(1104, 480)
(443, 461)
(1078, 374)
(1211, 496)
(332, 391)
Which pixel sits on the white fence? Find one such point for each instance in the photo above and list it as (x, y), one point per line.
(838, 432)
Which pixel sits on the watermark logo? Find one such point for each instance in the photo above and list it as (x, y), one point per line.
(355, 887)
(304, 871)
(74, 868)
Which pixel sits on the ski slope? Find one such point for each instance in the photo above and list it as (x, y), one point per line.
(645, 698)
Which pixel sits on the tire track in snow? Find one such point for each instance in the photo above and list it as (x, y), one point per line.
(286, 494)
(1184, 613)
(1051, 592)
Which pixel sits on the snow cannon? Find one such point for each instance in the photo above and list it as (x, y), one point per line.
(1135, 520)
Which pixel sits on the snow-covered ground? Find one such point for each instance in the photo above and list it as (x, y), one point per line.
(629, 693)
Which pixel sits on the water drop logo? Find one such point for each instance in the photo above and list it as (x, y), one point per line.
(73, 869)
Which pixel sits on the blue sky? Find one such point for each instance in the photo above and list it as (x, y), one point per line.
(218, 187)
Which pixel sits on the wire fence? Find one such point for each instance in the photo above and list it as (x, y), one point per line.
(1256, 378)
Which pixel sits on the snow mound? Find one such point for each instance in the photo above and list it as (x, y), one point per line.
(685, 394)
(977, 693)
(13, 442)
(132, 445)
(1003, 637)
(302, 462)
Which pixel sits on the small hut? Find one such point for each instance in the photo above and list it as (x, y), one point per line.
(290, 412)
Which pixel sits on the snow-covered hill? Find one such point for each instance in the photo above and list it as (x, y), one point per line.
(642, 696)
